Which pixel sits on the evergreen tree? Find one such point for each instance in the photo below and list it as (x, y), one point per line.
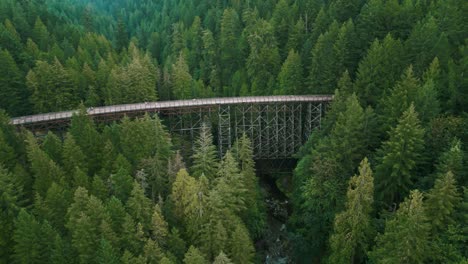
(290, 78)
(400, 98)
(353, 227)
(26, 237)
(52, 87)
(52, 145)
(106, 253)
(159, 226)
(241, 247)
(139, 206)
(9, 200)
(379, 69)
(181, 79)
(205, 155)
(399, 157)
(263, 62)
(194, 256)
(231, 184)
(323, 71)
(222, 259)
(73, 157)
(12, 91)
(442, 200)
(406, 235)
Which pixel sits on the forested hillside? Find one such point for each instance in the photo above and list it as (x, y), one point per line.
(126, 193)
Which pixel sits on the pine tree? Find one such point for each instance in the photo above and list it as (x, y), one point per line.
(44, 170)
(52, 145)
(264, 60)
(182, 192)
(241, 247)
(290, 78)
(222, 259)
(121, 184)
(230, 184)
(401, 97)
(139, 206)
(121, 34)
(353, 227)
(205, 155)
(52, 87)
(323, 71)
(229, 39)
(194, 256)
(106, 253)
(255, 214)
(9, 200)
(181, 79)
(26, 247)
(399, 156)
(73, 157)
(406, 236)
(12, 92)
(152, 252)
(379, 69)
(442, 200)
(159, 227)
(40, 35)
(87, 137)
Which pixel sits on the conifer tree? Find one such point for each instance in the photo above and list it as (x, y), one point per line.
(121, 184)
(52, 87)
(399, 156)
(152, 251)
(401, 97)
(45, 170)
(205, 155)
(73, 157)
(26, 248)
(106, 253)
(222, 259)
(379, 69)
(139, 206)
(353, 227)
(442, 200)
(182, 192)
(290, 78)
(159, 226)
(241, 247)
(181, 79)
(194, 256)
(12, 92)
(254, 216)
(9, 200)
(406, 236)
(230, 184)
(322, 75)
(52, 145)
(87, 137)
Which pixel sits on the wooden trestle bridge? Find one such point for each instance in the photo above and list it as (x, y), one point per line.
(277, 125)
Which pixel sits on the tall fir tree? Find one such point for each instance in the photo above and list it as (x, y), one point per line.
(204, 158)
(399, 157)
(406, 236)
(352, 232)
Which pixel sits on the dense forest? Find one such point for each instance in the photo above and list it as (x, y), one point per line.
(383, 181)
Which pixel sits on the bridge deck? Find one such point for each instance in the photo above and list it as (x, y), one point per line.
(169, 105)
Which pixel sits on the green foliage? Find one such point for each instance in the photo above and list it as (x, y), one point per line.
(399, 157)
(194, 256)
(406, 236)
(205, 155)
(290, 78)
(353, 227)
